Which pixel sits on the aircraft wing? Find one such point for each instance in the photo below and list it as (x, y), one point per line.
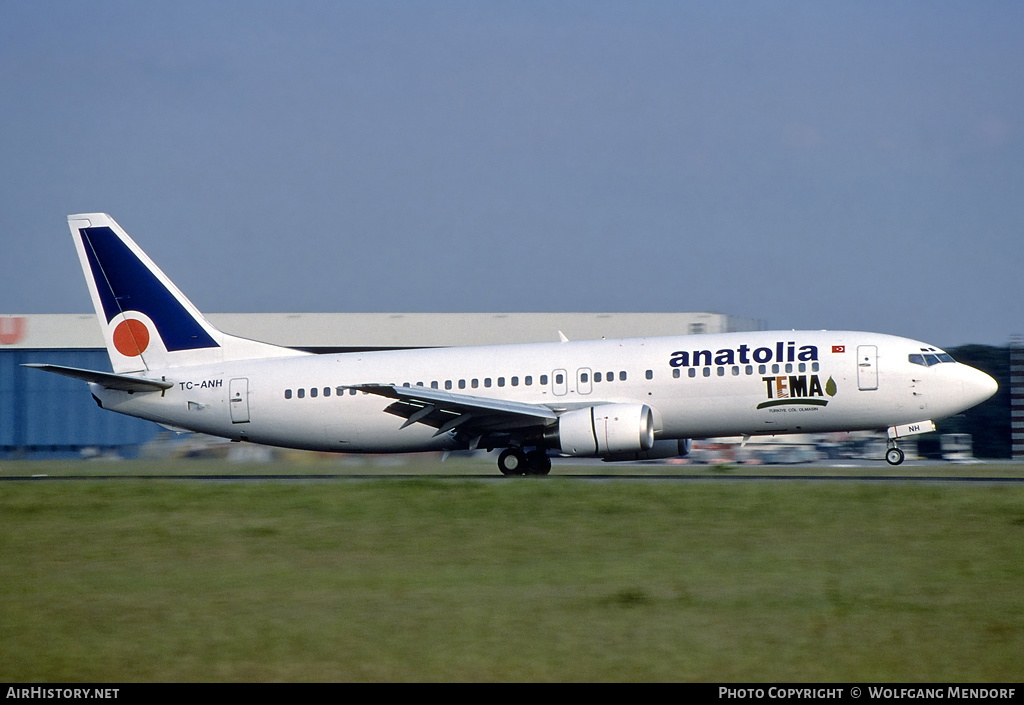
(125, 383)
(473, 416)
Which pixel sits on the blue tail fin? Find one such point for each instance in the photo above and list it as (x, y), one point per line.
(147, 322)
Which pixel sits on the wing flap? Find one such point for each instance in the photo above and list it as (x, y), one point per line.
(446, 411)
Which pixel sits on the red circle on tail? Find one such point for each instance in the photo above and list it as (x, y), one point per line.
(131, 337)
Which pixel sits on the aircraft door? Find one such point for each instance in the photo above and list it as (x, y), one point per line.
(559, 383)
(867, 367)
(238, 397)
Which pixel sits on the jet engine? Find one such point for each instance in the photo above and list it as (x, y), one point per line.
(604, 430)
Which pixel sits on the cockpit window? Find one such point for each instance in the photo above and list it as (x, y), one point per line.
(928, 357)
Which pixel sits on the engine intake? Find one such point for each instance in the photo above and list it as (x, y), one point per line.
(604, 430)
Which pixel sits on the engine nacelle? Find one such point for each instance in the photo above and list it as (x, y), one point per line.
(608, 429)
(660, 449)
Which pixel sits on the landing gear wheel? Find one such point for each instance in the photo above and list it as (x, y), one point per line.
(894, 456)
(516, 461)
(512, 461)
(538, 463)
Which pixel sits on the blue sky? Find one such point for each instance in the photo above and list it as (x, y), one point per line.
(815, 165)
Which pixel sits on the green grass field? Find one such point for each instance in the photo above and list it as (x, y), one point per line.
(530, 579)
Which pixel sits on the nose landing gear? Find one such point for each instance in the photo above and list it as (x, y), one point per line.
(894, 456)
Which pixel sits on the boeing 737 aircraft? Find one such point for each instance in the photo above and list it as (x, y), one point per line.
(629, 399)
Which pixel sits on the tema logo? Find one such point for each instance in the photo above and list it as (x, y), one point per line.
(802, 390)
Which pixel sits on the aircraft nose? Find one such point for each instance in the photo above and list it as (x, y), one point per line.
(978, 386)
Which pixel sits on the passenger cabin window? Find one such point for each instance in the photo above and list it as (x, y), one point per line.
(287, 394)
(649, 374)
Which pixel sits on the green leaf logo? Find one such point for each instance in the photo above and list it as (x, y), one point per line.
(830, 387)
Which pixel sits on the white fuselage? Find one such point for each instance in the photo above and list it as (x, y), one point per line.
(697, 386)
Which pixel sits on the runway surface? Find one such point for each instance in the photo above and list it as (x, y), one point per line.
(596, 477)
(314, 468)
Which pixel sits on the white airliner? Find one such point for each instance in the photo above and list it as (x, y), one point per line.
(628, 399)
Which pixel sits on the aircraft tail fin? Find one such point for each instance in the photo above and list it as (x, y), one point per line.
(147, 322)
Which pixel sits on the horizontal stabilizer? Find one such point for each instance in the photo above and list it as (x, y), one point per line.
(124, 383)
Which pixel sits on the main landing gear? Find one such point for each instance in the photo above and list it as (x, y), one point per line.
(516, 461)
